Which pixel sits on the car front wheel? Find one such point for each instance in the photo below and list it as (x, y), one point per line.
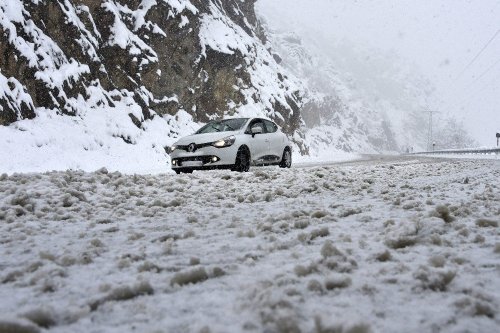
(286, 160)
(242, 163)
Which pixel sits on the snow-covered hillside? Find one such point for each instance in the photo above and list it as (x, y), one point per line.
(399, 245)
(357, 97)
(110, 83)
(355, 101)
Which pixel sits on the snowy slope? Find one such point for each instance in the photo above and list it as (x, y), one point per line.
(401, 245)
(357, 97)
(361, 102)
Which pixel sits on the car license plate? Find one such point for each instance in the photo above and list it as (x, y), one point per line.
(192, 163)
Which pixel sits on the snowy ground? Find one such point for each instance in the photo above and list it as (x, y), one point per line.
(388, 245)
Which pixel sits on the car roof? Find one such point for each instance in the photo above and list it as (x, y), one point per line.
(247, 118)
(260, 118)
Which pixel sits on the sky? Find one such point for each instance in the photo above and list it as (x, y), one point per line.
(453, 43)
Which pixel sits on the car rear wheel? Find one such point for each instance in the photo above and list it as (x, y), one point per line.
(286, 160)
(242, 163)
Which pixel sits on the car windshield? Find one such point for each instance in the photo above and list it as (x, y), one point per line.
(225, 125)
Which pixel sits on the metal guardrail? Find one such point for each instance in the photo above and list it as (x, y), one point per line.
(461, 151)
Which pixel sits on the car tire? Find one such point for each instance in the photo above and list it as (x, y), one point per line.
(242, 163)
(286, 160)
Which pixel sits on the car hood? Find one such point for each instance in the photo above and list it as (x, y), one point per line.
(204, 138)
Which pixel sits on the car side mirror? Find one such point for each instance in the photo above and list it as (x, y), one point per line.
(256, 130)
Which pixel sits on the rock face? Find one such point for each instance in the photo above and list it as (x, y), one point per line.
(204, 57)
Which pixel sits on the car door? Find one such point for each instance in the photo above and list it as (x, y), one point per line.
(275, 139)
(258, 143)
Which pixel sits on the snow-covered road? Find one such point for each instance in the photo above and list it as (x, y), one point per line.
(386, 245)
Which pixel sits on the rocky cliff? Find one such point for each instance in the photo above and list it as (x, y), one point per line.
(147, 59)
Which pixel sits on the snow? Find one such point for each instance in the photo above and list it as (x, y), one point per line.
(11, 10)
(14, 93)
(220, 34)
(66, 71)
(180, 6)
(43, 144)
(325, 156)
(489, 156)
(372, 244)
(184, 21)
(394, 244)
(123, 37)
(95, 138)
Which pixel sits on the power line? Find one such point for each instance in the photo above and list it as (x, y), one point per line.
(455, 81)
(470, 87)
(475, 88)
(471, 93)
(478, 54)
(453, 88)
(486, 71)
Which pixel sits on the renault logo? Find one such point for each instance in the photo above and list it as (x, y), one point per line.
(191, 147)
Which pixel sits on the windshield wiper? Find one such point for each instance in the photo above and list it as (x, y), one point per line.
(215, 128)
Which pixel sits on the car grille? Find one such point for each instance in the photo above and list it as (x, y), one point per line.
(197, 146)
(204, 159)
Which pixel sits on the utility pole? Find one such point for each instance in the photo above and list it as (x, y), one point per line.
(430, 140)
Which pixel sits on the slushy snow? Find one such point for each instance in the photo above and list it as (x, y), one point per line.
(385, 245)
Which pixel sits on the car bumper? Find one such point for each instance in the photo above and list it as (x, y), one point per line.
(204, 158)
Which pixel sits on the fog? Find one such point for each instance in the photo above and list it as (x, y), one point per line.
(453, 43)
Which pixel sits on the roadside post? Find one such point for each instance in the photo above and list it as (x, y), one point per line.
(497, 153)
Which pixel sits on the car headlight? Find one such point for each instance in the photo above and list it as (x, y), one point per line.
(226, 142)
(170, 149)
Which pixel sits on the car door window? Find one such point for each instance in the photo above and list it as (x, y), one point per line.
(259, 125)
(270, 126)
(255, 123)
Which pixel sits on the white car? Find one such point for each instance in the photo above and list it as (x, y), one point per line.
(232, 144)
